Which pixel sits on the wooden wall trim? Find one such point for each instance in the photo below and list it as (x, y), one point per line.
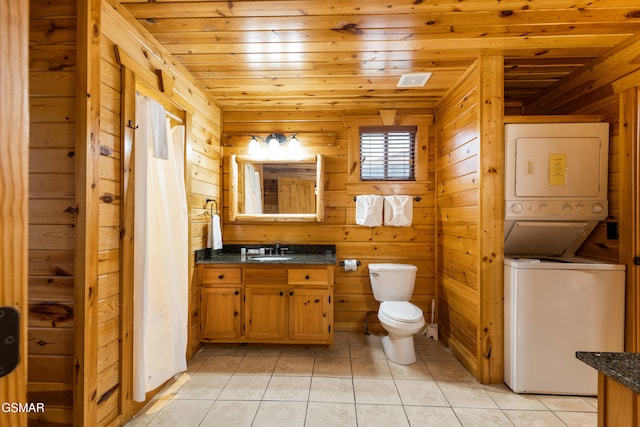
(86, 248)
(491, 333)
(126, 249)
(14, 188)
(630, 212)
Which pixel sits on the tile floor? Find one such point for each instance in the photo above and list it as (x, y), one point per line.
(350, 384)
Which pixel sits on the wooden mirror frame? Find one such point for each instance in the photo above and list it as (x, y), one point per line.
(236, 216)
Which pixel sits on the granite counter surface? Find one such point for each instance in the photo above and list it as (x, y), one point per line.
(296, 254)
(622, 367)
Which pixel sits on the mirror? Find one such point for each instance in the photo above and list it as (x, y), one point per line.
(276, 190)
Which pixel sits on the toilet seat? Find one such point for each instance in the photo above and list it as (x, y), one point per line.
(401, 311)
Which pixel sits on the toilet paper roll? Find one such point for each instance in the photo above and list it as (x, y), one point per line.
(350, 265)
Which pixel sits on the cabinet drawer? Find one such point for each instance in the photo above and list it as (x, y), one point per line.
(310, 276)
(265, 276)
(221, 275)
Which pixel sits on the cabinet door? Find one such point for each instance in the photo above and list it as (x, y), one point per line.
(221, 312)
(309, 313)
(264, 309)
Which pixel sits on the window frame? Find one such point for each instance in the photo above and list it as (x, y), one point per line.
(420, 185)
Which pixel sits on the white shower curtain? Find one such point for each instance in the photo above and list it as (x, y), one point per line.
(160, 250)
(252, 190)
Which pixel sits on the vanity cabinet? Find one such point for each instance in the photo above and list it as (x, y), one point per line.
(221, 295)
(309, 304)
(267, 303)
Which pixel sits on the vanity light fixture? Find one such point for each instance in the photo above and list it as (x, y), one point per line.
(275, 143)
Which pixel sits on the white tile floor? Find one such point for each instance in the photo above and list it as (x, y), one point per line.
(350, 384)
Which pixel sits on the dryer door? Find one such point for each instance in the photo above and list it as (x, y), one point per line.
(546, 238)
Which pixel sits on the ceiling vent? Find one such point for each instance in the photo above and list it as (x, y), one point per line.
(414, 80)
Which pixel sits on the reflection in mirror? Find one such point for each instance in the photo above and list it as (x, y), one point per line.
(276, 190)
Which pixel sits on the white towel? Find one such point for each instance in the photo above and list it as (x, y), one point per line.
(214, 239)
(398, 211)
(369, 210)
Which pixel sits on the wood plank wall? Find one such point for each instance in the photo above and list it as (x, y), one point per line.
(469, 194)
(52, 208)
(53, 205)
(415, 244)
(203, 170)
(591, 90)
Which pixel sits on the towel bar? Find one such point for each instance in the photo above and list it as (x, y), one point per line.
(417, 198)
(214, 201)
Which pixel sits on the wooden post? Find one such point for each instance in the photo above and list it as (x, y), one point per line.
(14, 189)
(86, 248)
(630, 211)
(491, 329)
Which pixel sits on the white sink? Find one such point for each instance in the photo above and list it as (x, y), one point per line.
(270, 258)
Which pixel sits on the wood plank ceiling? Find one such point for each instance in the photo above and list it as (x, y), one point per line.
(350, 54)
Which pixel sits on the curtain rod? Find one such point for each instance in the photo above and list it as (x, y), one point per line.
(174, 117)
(166, 112)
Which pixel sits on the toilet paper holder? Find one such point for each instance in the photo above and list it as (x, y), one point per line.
(341, 263)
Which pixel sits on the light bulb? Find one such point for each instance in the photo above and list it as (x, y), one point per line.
(294, 147)
(254, 146)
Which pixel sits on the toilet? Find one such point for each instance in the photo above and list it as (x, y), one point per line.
(392, 285)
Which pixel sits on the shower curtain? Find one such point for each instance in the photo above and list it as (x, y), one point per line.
(160, 250)
(252, 190)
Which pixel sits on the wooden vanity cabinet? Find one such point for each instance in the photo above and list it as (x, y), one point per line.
(310, 305)
(284, 304)
(221, 303)
(265, 303)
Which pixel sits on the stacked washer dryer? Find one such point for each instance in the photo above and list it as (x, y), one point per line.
(557, 303)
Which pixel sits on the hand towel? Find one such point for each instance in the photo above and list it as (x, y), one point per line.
(214, 239)
(398, 211)
(369, 210)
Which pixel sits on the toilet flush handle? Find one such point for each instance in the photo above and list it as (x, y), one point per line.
(374, 274)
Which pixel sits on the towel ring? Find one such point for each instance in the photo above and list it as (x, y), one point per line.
(216, 203)
(417, 198)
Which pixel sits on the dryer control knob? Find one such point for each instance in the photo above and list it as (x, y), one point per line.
(597, 208)
(516, 208)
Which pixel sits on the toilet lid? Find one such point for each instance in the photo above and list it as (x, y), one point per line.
(402, 311)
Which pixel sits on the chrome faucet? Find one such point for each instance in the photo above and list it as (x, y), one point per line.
(280, 249)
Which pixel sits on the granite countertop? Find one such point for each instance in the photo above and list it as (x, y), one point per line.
(622, 367)
(296, 254)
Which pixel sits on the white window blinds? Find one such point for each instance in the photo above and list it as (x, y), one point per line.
(387, 153)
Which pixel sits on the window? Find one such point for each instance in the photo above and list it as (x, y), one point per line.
(387, 153)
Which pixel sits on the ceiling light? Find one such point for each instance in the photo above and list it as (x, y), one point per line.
(414, 80)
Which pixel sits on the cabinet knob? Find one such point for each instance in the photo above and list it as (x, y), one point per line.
(307, 277)
(236, 293)
(290, 293)
(221, 276)
(235, 314)
(281, 293)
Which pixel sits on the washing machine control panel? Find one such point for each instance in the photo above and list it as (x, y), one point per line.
(555, 209)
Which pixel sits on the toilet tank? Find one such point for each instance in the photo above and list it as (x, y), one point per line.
(392, 282)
